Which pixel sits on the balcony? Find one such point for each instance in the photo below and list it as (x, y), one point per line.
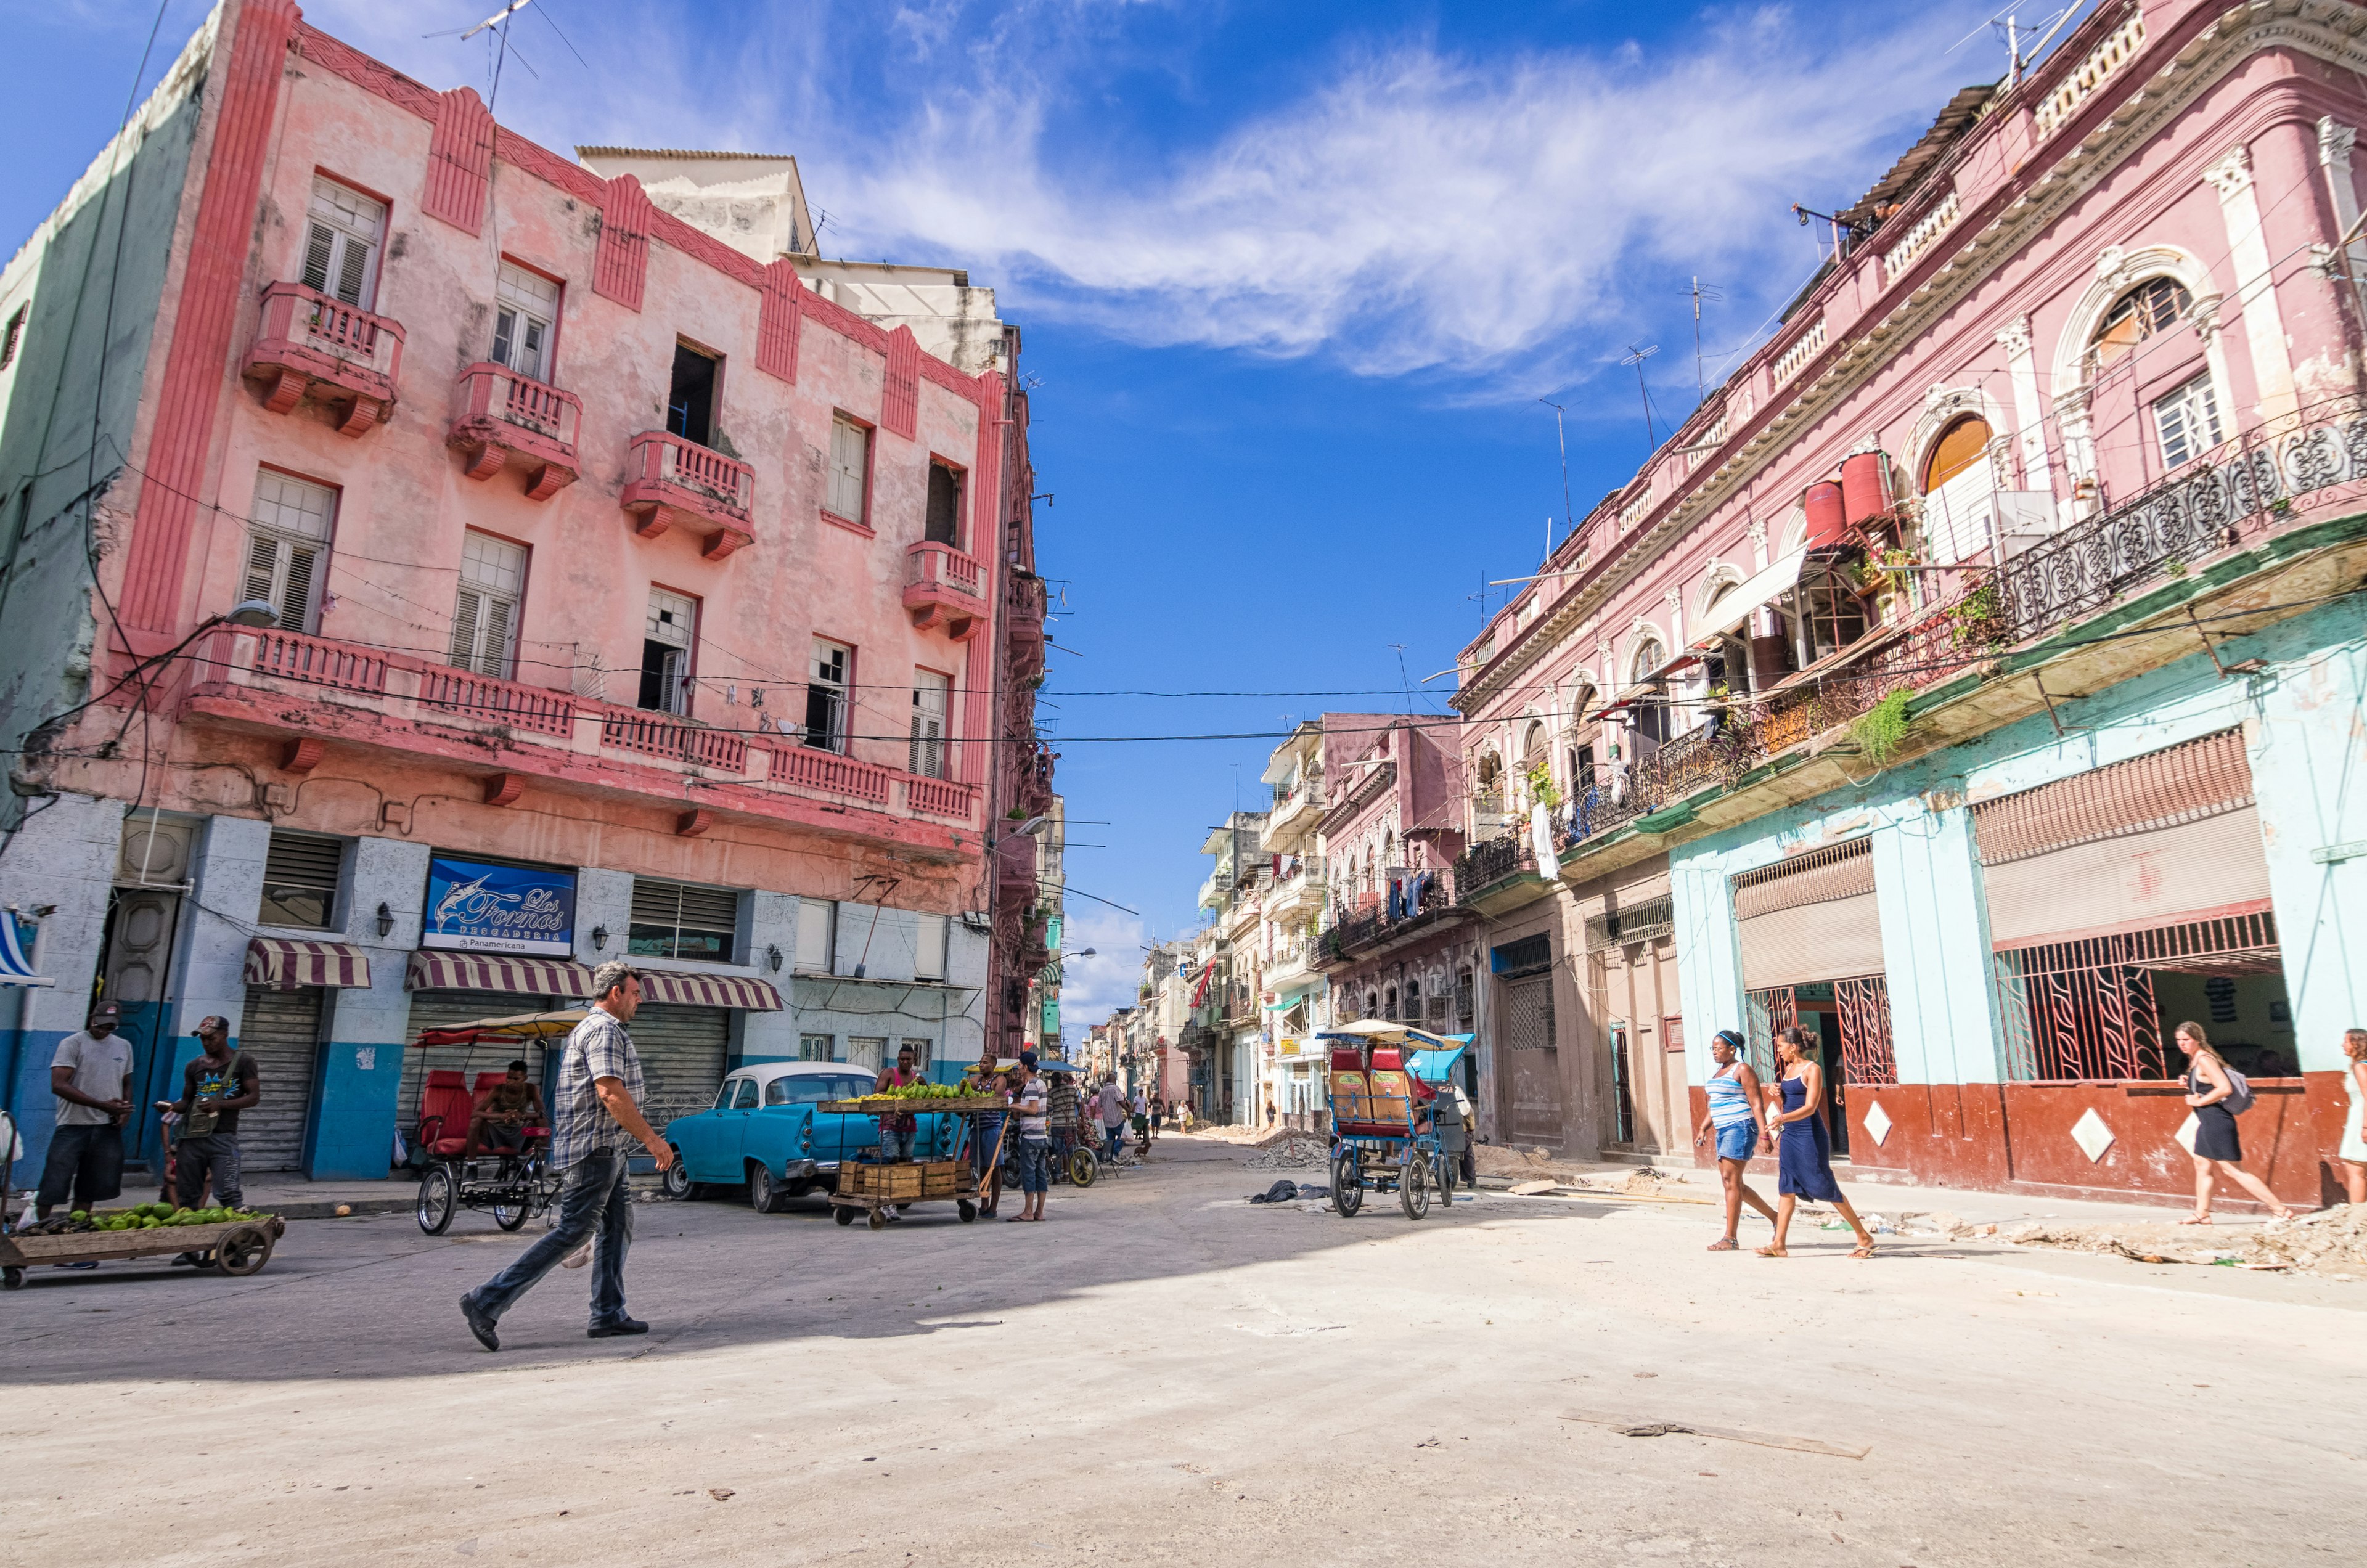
(1300, 891)
(500, 417)
(1026, 603)
(941, 588)
(310, 345)
(670, 481)
(1296, 808)
(1355, 932)
(317, 690)
(1487, 867)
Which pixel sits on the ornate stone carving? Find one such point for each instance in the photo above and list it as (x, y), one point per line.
(2231, 176)
(2113, 266)
(2014, 337)
(2334, 144)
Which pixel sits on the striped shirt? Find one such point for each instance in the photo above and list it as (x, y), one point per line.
(579, 1125)
(1729, 1105)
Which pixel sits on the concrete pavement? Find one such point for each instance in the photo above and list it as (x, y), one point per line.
(1164, 1374)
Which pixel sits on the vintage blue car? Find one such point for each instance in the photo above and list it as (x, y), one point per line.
(767, 1132)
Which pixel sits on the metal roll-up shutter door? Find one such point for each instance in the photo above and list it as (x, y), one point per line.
(1812, 918)
(1533, 1062)
(282, 1034)
(442, 1009)
(682, 1051)
(2168, 837)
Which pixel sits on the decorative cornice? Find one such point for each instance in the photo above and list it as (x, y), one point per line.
(2007, 218)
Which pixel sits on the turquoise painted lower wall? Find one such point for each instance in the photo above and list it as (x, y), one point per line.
(2304, 720)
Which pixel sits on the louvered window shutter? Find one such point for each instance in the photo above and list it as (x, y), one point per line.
(317, 251)
(353, 270)
(465, 613)
(505, 336)
(495, 659)
(296, 598)
(262, 568)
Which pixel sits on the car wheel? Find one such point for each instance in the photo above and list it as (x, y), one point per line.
(676, 1181)
(763, 1192)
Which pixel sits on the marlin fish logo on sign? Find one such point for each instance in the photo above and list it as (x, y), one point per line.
(479, 907)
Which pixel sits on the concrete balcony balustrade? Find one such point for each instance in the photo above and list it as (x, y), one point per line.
(941, 588)
(318, 691)
(1300, 891)
(672, 482)
(1293, 817)
(501, 419)
(309, 344)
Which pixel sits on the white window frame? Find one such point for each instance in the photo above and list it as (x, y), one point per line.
(672, 619)
(931, 940)
(343, 232)
(933, 697)
(832, 668)
(485, 609)
(291, 526)
(850, 471)
(525, 319)
(2186, 420)
(816, 935)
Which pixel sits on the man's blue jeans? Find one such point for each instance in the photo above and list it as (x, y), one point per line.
(1111, 1133)
(592, 1197)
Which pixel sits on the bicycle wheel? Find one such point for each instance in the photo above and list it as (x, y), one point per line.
(1084, 1169)
(438, 1199)
(1348, 1183)
(1413, 1184)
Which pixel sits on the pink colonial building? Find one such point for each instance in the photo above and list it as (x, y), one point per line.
(1971, 680)
(496, 573)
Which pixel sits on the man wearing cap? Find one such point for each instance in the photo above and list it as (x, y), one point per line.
(214, 1088)
(90, 1076)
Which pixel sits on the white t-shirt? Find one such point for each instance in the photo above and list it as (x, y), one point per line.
(102, 1069)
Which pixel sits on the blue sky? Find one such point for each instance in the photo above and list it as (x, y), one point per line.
(1292, 278)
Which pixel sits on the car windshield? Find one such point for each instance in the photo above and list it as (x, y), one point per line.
(800, 1088)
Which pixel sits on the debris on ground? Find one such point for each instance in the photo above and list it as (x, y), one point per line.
(2332, 1242)
(1289, 1193)
(1292, 1151)
(1531, 1189)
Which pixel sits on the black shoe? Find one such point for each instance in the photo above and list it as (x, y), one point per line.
(621, 1326)
(480, 1324)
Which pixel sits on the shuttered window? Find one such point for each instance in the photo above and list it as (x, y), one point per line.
(287, 547)
(944, 524)
(683, 919)
(850, 468)
(929, 947)
(485, 615)
(1842, 937)
(524, 307)
(816, 935)
(299, 881)
(931, 693)
(341, 243)
(2179, 783)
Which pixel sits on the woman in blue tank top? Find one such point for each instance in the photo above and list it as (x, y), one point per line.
(1734, 1116)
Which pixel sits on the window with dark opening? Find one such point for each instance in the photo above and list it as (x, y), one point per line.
(299, 881)
(665, 652)
(826, 694)
(690, 401)
(944, 506)
(14, 339)
(682, 920)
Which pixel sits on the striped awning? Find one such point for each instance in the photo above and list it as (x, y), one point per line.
(440, 971)
(708, 990)
(286, 963)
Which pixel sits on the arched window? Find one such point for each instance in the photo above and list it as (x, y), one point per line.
(1372, 1004)
(2153, 307)
(1960, 446)
(1389, 1004)
(1413, 1001)
(1959, 490)
(1532, 745)
(1648, 655)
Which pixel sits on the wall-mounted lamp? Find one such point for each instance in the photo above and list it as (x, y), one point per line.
(599, 938)
(385, 919)
(772, 959)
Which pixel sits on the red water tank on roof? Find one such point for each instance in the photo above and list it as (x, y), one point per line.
(1866, 486)
(1828, 523)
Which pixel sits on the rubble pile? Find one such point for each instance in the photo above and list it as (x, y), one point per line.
(1294, 1151)
(2332, 1241)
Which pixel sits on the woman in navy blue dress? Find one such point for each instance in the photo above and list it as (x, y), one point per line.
(1804, 1160)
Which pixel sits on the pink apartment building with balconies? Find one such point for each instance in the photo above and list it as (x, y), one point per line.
(594, 551)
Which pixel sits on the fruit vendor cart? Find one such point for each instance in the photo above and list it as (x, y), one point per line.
(238, 1246)
(872, 1187)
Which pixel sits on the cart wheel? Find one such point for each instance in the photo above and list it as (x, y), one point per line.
(437, 1198)
(969, 1211)
(512, 1216)
(1084, 1169)
(841, 1213)
(1347, 1183)
(676, 1181)
(12, 1278)
(1413, 1184)
(879, 1219)
(243, 1251)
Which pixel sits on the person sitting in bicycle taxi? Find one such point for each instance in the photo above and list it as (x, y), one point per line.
(504, 1114)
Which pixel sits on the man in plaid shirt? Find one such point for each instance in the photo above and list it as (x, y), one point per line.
(595, 1118)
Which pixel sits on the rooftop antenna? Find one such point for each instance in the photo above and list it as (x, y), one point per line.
(1637, 356)
(1561, 440)
(1711, 292)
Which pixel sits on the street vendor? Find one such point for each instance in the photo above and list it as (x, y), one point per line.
(897, 1127)
(91, 1078)
(502, 1113)
(984, 1082)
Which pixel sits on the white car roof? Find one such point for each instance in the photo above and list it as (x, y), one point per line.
(765, 1072)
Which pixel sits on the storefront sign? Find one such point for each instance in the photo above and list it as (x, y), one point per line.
(481, 908)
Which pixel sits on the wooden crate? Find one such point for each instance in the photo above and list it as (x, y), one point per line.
(899, 1182)
(943, 1178)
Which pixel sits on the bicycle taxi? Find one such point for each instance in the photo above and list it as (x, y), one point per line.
(514, 1185)
(1387, 1115)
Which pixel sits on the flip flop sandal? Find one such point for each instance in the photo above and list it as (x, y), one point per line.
(1865, 1251)
(2195, 1220)
(1774, 1252)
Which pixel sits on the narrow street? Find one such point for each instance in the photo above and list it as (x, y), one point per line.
(1166, 1373)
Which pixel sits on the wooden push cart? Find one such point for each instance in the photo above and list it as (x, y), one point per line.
(871, 1189)
(236, 1247)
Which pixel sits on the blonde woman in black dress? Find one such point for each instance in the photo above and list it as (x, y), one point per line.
(2216, 1146)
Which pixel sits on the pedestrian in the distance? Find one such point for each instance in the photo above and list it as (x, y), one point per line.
(596, 1120)
(90, 1076)
(1029, 1111)
(215, 1088)
(2353, 1153)
(1113, 1110)
(2217, 1148)
(1734, 1119)
(1804, 1161)
(984, 1082)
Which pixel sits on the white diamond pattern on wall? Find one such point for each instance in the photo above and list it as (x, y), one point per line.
(1877, 1122)
(2185, 1133)
(2092, 1136)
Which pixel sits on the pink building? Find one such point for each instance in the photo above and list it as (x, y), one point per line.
(1957, 682)
(595, 552)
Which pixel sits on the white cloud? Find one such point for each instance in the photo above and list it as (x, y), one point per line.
(1092, 988)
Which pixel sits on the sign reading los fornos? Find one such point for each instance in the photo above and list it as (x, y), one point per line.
(483, 908)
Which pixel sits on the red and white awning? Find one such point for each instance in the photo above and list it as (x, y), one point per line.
(441, 970)
(286, 963)
(708, 990)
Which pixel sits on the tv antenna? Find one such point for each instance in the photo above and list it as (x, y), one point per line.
(1637, 356)
(1716, 296)
(1562, 440)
